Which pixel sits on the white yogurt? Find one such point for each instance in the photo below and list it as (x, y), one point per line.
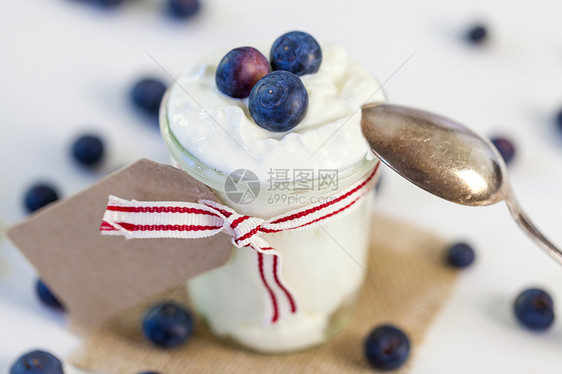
(219, 131)
(323, 265)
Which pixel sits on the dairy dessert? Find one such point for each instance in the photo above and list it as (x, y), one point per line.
(322, 264)
(219, 132)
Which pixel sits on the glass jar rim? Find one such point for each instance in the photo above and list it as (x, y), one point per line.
(215, 178)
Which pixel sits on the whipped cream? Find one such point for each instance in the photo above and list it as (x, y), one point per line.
(208, 123)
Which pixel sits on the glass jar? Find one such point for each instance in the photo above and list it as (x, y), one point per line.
(323, 264)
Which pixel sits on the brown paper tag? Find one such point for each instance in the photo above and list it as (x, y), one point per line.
(96, 276)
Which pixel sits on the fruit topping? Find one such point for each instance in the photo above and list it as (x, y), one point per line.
(297, 52)
(279, 101)
(239, 70)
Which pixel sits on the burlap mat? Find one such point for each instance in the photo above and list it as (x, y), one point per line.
(406, 285)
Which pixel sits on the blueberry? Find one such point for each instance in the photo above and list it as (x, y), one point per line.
(46, 296)
(387, 347)
(39, 195)
(88, 149)
(534, 309)
(37, 362)
(239, 70)
(297, 52)
(183, 8)
(147, 94)
(559, 119)
(505, 147)
(149, 372)
(107, 3)
(167, 324)
(279, 101)
(477, 34)
(460, 255)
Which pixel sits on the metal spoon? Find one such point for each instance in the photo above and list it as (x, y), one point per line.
(446, 159)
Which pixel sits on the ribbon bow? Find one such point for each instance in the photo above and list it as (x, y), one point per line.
(175, 219)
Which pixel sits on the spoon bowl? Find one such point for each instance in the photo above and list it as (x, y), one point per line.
(445, 159)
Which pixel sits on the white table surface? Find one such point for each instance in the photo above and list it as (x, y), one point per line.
(67, 67)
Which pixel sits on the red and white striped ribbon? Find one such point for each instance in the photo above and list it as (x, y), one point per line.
(175, 219)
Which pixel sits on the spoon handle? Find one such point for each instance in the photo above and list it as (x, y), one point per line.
(531, 230)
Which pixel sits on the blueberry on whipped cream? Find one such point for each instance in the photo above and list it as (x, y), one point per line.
(239, 70)
(279, 101)
(297, 52)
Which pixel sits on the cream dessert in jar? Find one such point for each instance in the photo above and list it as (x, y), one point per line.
(214, 138)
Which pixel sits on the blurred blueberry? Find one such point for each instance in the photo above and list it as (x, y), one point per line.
(460, 255)
(107, 3)
(505, 147)
(534, 308)
(37, 362)
(387, 347)
(183, 8)
(39, 195)
(559, 120)
(147, 94)
(477, 34)
(279, 101)
(167, 324)
(297, 52)
(46, 296)
(239, 70)
(88, 149)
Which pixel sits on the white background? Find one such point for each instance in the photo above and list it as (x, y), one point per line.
(66, 68)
